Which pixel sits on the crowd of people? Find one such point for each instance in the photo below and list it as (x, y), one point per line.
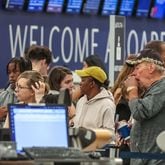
(137, 96)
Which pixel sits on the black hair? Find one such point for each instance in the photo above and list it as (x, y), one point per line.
(36, 52)
(24, 64)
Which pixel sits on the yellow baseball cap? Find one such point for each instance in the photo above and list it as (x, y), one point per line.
(93, 71)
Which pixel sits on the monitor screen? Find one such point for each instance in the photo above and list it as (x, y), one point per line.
(109, 7)
(36, 5)
(55, 6)
(158, 10)
(91, 6)
(74, 6)
(38, 125)
(127, 7)
(14, 4)
(143, 8)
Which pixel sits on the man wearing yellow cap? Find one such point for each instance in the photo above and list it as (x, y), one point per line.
(96, 108)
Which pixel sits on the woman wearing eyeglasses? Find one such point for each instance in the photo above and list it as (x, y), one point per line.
(30, 88)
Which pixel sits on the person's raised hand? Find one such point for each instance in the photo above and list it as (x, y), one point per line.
(39, 89)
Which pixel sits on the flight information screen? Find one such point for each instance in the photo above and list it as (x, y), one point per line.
(91, 6)
(14, 4)
(36, 5)
(55, 6)
(74, 6)
(143, 8)
(158, 10)
(127, 7)
(109, 7)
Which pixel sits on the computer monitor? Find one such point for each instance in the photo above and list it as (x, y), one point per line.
(74, 6)
(143, 8)
(14, 4)
(55, 6)
(38, 125)
(109, 7)
(127, 7)
(158, 10)
(91, 6)
(36, 5)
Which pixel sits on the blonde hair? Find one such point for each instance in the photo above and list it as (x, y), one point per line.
(125, 71)
(33, 77)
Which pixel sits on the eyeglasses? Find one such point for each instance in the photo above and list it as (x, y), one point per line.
(19, 87)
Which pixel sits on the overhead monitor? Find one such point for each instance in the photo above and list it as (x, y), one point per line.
(109, 7)
(36, 5)
(55, 6)
(143, 8)
(14, 4)
(91, 7)
(74, 6)
(127, 7)
(158, 10)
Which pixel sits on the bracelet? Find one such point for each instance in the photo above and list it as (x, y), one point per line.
(130, 88)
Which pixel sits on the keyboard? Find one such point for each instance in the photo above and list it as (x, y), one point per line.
(54, 153)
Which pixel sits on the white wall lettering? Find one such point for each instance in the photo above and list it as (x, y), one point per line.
(18, 41)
